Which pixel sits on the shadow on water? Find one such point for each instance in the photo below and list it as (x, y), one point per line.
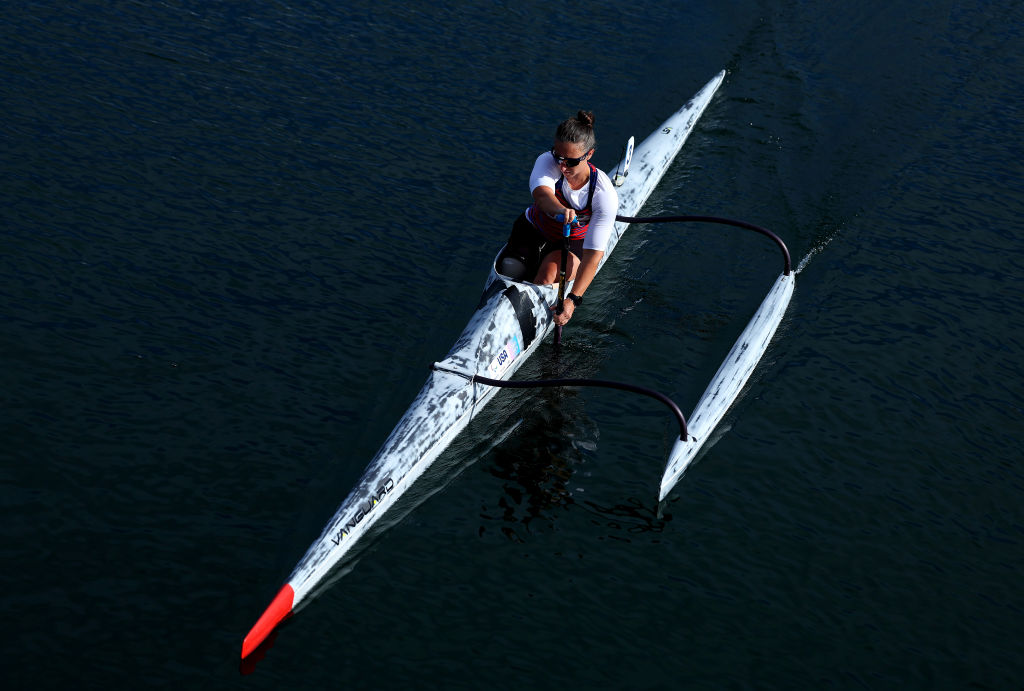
(537, 462)
(633, 517)
(536, 466)
(247, 665)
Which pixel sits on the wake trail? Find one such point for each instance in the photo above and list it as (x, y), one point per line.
(816, 250)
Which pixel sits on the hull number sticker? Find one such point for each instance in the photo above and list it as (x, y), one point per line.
(504, 358)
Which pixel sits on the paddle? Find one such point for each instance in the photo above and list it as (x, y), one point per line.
(561, 277)
(619, 179)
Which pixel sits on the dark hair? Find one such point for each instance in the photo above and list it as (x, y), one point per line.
(578, 130)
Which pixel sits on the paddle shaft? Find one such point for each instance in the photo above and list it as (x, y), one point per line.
(561, 279)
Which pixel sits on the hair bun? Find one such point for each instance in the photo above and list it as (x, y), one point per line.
(585, 118)
(578, 130)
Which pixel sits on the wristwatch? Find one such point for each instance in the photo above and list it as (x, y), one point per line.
(576, 299)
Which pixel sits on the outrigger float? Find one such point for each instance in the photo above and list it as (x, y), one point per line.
(513, 318)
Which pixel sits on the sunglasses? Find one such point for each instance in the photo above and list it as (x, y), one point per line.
(569, 162)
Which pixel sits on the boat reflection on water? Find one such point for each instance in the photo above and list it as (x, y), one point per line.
(535, 470)
(536, 467)
(247, 665)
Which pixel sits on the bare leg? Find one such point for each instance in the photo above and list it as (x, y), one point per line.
(548, 271)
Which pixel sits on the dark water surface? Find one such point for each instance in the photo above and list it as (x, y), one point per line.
(234, 235)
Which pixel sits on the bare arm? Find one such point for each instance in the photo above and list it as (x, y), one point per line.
(547, 202)
(585, 274)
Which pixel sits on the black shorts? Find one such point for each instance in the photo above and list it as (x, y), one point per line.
(528, 245)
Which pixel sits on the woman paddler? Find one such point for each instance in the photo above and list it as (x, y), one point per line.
(565, 185)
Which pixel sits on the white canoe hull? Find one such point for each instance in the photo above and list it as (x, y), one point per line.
(511, 321)
(514, 313)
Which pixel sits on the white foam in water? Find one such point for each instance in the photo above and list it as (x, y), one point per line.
(815, 250)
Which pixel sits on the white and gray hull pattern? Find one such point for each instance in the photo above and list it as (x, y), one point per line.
(510, 322)
(513, 317)
(728, 381)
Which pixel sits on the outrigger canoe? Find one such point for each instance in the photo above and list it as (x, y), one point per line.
(513, 318)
